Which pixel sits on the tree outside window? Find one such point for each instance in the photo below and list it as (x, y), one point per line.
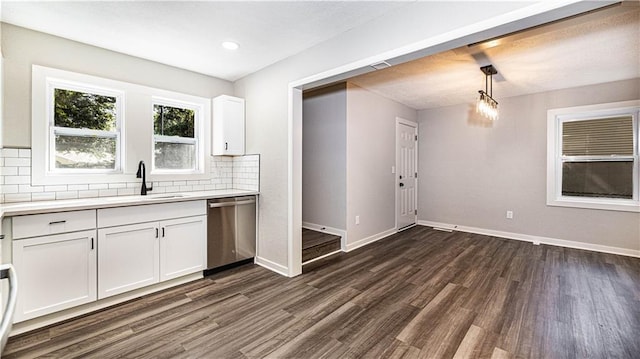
(175, 142)
(85, 131)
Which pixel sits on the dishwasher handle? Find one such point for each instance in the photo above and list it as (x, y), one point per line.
(229, 204)
(7, 271)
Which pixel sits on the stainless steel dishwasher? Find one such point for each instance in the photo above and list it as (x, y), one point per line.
(231, 230)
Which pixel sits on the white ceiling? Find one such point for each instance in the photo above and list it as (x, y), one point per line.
(189, 34)
(596, 48)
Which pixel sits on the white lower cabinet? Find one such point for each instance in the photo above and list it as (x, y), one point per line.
(183, 246)
(127, 258)
(138, 255)
(66, 259)
(56, 272)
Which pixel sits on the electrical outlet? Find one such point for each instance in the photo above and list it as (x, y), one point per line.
(357, 219)
(509, 214)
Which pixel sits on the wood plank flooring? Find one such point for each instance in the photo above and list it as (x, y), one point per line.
(417, 294)
(316, 244)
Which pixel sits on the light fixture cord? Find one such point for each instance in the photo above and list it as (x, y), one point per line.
(491, 79)
(486, 83)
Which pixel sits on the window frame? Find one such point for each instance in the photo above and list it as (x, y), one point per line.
(52, 129)
(555, 119)
(136, 112)
(198, 131)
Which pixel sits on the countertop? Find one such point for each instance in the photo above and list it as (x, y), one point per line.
(22, 208)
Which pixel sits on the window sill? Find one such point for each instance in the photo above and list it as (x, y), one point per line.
(177, 176)
(607, 205)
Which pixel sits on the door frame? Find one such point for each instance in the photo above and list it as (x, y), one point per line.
(399, 121)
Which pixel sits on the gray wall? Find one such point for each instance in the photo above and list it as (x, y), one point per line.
(22, 48)
(371, 152)
(324, 157)
(471, 173)
(268, 102)
(348, 151)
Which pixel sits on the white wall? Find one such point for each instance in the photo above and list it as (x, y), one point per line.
(1, 82)
(411, 27)
(324, 157)
(371, 152)
(23, 48)
(471, 174)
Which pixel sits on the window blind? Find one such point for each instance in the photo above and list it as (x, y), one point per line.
(598, 137)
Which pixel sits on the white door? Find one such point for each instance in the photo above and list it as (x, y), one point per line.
(183, 246)
(56, 272)
(127, 258)
(406, 173)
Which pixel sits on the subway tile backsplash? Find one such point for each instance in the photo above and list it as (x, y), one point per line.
(239, 172)
(246, 172)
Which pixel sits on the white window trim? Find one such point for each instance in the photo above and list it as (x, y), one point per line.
(199, 130)
(52, 85)
(135, 107)
(555, 117)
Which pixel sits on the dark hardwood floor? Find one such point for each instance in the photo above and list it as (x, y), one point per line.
(316, 244)
(418, 294)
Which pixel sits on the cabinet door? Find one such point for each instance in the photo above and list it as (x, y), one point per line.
(228, 126)
(128, 258)
(182, 246)
(55, 272)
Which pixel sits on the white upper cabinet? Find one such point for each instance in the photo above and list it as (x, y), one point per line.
(228, 126)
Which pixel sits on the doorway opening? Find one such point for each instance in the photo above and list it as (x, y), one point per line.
(508, 25)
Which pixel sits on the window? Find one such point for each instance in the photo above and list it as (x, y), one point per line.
(84, 129)
(175, 144)
(93, 130)
(593, 157)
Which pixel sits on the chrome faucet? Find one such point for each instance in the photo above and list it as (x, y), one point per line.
(142, 174)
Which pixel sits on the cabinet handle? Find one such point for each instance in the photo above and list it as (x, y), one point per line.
(91, 243)
(226, 146)
(162, 232)
(57, 222)
(156, 232)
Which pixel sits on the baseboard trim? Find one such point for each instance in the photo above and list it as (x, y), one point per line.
(535, 239)
(272, 266)
(330, 230)
(369, 240)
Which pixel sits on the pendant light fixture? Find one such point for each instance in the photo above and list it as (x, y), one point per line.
(486, 105)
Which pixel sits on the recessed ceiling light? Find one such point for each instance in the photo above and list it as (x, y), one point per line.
(230, 45)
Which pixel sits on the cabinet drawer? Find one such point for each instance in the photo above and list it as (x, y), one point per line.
(53, 223)
(111, 217)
